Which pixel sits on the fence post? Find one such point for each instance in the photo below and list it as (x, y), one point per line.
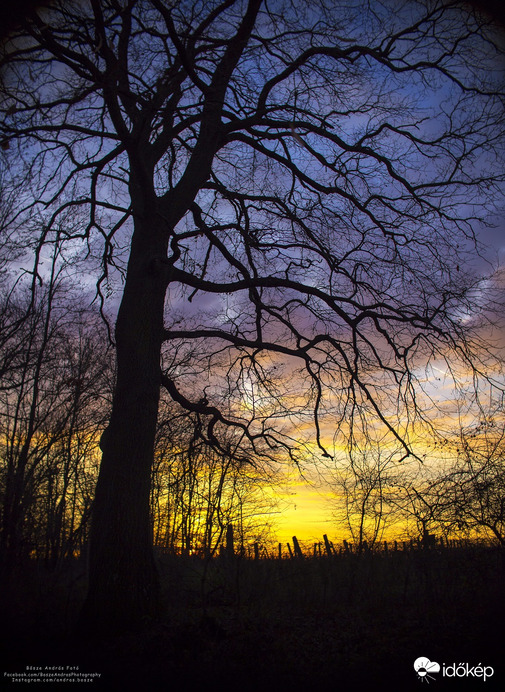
(296, 545)
(290, 551)
(256, 551)
(327, 545)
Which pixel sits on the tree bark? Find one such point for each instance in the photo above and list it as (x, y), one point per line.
(123, 580)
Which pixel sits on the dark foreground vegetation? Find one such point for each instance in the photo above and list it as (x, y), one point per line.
(346, 622)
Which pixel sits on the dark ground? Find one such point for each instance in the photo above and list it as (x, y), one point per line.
(346, 623)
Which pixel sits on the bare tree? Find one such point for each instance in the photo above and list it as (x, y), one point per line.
(467, 498)
(365, 495)
(197, 492)
(290, 192)
(51, 416)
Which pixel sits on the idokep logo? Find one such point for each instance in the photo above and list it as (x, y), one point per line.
(424, 668)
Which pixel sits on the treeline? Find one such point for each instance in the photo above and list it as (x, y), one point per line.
(54, 402)
(457, 491)
(56, 383)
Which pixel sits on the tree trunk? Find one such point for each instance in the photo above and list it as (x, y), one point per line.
(123, 580)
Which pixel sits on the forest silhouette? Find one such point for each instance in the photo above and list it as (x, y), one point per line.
(237, 239)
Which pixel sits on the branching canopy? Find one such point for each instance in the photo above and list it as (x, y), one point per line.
(305, 179)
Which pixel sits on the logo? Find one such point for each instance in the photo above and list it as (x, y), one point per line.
(424, 668)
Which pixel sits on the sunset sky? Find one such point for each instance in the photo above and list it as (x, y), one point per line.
(314, 286)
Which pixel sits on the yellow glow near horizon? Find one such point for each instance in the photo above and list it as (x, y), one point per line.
(306, 515)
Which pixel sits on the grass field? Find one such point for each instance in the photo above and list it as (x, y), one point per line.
(346, 622)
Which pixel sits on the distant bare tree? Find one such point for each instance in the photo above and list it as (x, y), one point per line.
(365, 495)
(290, 192)
(468, 498)
(51, 414)
(197, 492)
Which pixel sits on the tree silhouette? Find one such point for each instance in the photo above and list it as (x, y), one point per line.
(468, 496)
(285, 194)
(53, 365)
